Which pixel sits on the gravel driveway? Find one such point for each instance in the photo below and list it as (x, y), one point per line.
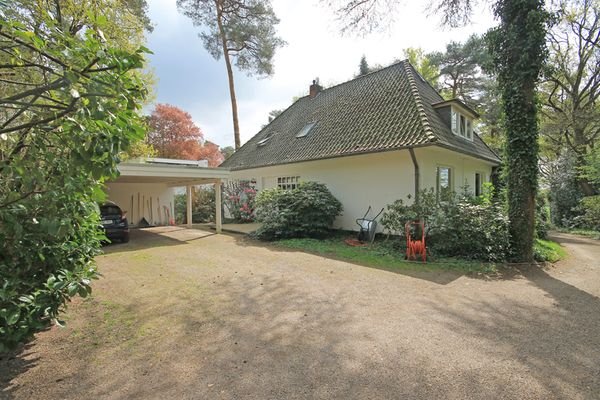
(189, 315)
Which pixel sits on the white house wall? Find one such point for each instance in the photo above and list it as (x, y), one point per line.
(463, 168)
(161, 194)
(375, 180)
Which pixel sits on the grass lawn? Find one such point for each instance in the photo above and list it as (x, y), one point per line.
(387, 254)
(383, 254)
(582, 232)
(547, 250)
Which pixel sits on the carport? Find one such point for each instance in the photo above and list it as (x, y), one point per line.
(162, 176)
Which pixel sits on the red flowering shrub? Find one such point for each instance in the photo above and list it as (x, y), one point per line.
(238, 198)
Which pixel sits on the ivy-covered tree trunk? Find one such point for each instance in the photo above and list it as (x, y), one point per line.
(518, 49)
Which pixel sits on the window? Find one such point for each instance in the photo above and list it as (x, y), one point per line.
(444, 183)
(454, 124)
(461, 125)
(478, 184)
(288, 182)
(306, 129)
(469, 129)
(265, 139)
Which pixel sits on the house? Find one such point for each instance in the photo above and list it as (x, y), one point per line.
(372, 140)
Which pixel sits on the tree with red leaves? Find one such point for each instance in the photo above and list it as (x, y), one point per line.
(212, 153)
(173, 134)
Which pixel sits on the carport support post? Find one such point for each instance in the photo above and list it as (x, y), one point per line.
(218, 222)
(189, 206)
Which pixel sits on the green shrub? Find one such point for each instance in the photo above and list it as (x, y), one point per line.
(307, 211)
(57, 145)
(472, 228)
(398, 213)
(203, 205)
(542, 219)
(590, 210)
(471, 231)
(564, 194)
(547, 251)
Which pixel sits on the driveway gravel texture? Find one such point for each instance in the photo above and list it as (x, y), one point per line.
(186, 314)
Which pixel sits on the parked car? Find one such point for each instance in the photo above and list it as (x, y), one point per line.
(114, 222)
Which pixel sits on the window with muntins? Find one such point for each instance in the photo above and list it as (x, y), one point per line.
(444, 183)
(461, 125)
(288, 182)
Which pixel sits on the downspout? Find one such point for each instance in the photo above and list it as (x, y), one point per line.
(416, 165)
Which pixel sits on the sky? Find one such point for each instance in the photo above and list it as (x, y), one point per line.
(189, 78)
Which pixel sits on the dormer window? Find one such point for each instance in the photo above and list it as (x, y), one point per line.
(462, 125)
(458, 115)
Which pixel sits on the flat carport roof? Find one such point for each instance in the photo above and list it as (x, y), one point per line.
(176, 175)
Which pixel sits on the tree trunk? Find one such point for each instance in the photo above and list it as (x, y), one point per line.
(584, 185)
(234, 109)
(580, 149)
(522, 151)
(519, 62)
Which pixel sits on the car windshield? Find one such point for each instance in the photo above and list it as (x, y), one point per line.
(110, 210)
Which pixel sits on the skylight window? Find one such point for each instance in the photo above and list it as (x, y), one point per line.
(264, 140)
(306, 129)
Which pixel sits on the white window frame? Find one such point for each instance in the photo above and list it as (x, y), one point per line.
(288, 182)
(438, 182)
(461, 124)
(454, 121)
(481, 182)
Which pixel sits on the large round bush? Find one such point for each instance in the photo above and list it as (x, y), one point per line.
(473, 228)
(307, 211)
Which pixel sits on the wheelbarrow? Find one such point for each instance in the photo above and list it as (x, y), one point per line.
(368, 227)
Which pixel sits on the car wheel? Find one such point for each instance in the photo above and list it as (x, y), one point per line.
(125, 238)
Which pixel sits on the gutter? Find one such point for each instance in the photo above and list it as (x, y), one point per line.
(416, 165)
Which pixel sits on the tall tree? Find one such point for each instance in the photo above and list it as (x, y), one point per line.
(227, 152)
(173, 133)
(363, 66)
(124, 21)
(460, 69)
(518, 49)
(463, 75)
(211, 153)
(274, 114)
(240, 31)
(423, 64)
(570, 93)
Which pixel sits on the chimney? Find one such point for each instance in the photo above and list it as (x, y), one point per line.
(315, 88)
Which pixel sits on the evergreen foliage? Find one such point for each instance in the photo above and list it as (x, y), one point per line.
(363, 67)
(70, 106)
(518, 50)
(306, 211)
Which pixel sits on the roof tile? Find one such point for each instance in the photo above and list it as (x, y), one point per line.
(384, 110)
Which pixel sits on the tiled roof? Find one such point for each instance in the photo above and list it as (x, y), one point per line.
(385, 110)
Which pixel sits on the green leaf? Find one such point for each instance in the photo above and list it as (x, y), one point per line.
(13, 316)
